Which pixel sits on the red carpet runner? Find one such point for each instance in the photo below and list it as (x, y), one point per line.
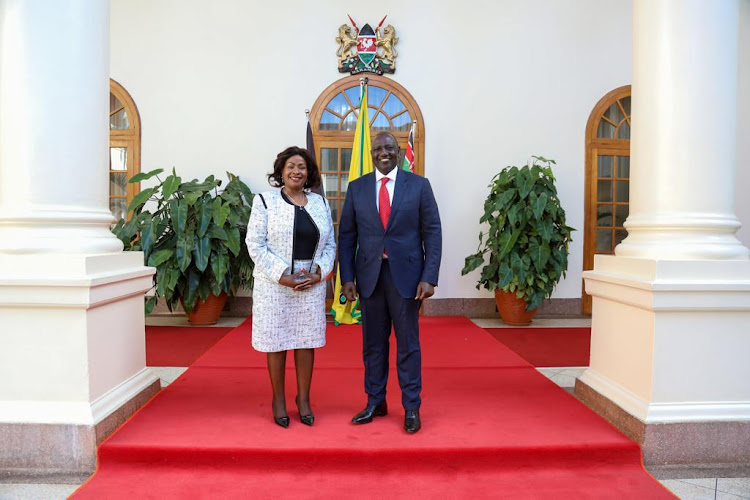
(180, 345)
(547, 346)
(492, 427)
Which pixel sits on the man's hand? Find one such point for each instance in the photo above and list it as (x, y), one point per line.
(349, 291)
(424, 291)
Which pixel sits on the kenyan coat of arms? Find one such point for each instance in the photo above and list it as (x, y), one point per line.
(364, 50)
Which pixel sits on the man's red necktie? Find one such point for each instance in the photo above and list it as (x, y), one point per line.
(384, 202)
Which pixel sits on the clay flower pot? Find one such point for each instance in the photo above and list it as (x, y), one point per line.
(208, 312)
(512, 309)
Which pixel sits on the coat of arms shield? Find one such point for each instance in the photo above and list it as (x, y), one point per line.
(366, 44)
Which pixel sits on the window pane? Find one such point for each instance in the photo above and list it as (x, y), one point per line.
(114, 103)
(393, 105)
(346, 159)
(625, 101)
(605, 130)
(614, 113)
(329, 121)
(118, 158)
(118, 207)
(344, 184)
(375, 96)
(622, 191)
(603, 240)
(339, 105)
(605, 166)
(623, 166)
(604, 215)
(402, 123)
(118, 184)
(119, 121)
(380, 124)
(329, 159)
(353, 94)
(624, 131)
(621, 213)
(604, 191)
(350, 122)
(331, 184)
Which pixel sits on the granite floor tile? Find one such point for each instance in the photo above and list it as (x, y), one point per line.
(178, 320)
(168, 374)
(537, 323)
(739, 486)
(36, 491)
(687, 491)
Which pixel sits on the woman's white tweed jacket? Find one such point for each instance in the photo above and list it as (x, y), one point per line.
(283, 318)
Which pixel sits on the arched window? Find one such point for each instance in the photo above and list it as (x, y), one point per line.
(607, 177)
(334, 117)
(124, 149)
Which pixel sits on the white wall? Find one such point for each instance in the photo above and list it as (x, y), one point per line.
(223, 85)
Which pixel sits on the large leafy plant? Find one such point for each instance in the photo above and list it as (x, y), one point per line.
(192, 233)
(526, 244)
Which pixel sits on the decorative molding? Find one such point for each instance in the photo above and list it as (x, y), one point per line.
(76, 412)
(116, 397)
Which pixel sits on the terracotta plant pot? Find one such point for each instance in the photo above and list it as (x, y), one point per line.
(208, 312)
(512, 309)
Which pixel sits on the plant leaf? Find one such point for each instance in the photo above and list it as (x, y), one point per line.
(171, 184)
(140, 199)
(540, 203)
(233, 240)
(201, 252)
(183, 251)
(205, 213)
(160, 257)
(145, 175)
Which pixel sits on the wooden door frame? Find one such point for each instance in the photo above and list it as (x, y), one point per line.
(594, 147)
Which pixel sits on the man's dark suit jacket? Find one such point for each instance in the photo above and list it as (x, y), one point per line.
(413, 237)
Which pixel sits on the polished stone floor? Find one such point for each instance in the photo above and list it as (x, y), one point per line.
(692, 489)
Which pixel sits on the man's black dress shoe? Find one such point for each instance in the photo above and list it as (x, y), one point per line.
(412, 422)
(370, 411)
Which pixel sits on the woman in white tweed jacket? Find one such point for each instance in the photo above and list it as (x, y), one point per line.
(291, 240)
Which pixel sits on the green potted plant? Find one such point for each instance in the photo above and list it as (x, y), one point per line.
(193, 234)
(526, 243)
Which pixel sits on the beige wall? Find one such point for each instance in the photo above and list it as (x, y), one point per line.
(223, 85)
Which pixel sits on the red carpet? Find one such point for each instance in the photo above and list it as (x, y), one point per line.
(492, 427)
(180, 345)
(547, 346)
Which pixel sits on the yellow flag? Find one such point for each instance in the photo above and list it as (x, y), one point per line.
(361, 163)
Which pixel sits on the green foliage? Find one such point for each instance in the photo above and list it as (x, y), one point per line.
(526, 245)
(194, 237)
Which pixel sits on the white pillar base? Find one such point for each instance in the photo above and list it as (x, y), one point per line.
(669, 348)
(670, 339)
(77, 320)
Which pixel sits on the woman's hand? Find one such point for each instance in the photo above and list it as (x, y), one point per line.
(300, 281)
(312, 279)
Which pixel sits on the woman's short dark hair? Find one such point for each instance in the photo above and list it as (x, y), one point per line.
(313, 174)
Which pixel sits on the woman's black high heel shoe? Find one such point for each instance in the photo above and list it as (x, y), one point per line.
(305, 419)
(282, 421)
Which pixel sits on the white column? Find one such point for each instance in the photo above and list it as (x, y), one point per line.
(72, 344)
(683, 147)
(671, 309)
(54, 130)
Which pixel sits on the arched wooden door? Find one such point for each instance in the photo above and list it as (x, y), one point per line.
(124, 149)
(334, 117)
(607, 178)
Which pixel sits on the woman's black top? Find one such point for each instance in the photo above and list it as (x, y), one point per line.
(306, 233)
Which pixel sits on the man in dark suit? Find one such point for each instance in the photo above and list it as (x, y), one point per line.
(390, 240)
